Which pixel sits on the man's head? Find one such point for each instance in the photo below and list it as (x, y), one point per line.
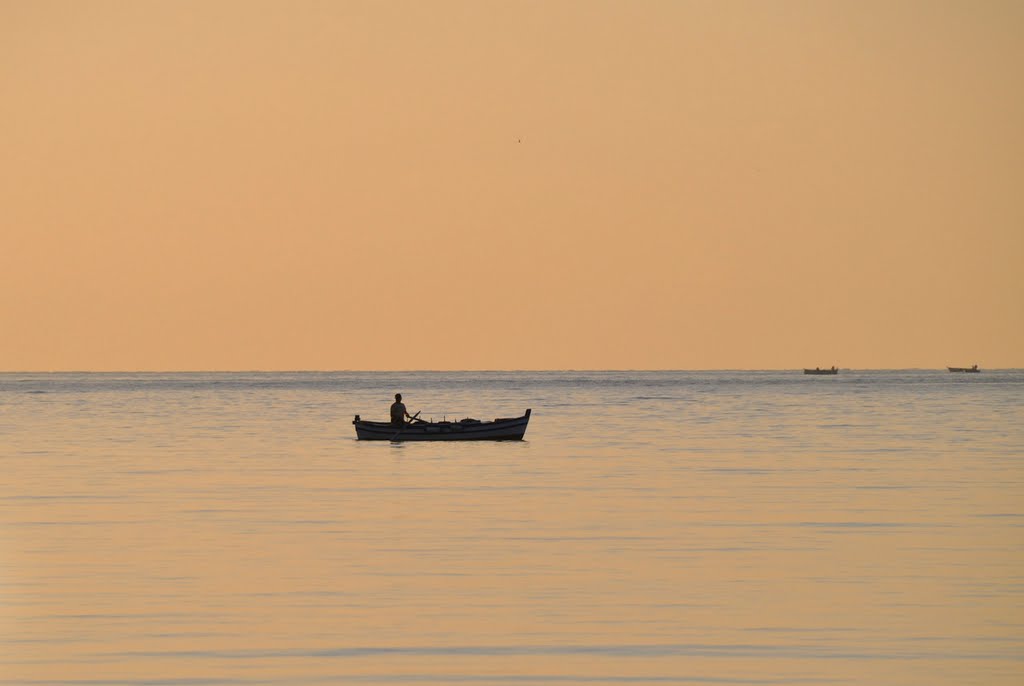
(398, 397)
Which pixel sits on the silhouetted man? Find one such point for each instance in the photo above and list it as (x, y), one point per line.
(398, 411)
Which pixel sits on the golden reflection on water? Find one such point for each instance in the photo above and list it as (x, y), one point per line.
(145, 544)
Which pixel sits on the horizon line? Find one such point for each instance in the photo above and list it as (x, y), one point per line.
(445, 371)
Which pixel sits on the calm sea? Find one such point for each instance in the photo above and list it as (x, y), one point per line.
(653, 528)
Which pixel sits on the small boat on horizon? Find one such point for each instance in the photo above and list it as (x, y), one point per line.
(965, 370)
(503, 429)
(819, 371)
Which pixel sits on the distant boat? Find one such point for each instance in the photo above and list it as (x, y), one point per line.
(512, 429)
(820, 371)
(965, 370)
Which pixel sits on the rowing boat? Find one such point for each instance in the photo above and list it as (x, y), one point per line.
(504, 429)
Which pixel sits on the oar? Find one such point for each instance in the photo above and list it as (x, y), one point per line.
(406, 425)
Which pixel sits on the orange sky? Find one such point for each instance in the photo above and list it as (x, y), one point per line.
(510, 185)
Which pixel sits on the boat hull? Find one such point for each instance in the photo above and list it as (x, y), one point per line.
(964, 370)
(499, 430)
(822, 372)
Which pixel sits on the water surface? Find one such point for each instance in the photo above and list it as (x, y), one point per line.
(669, 527)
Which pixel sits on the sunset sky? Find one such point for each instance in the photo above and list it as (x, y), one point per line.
(511, 185)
